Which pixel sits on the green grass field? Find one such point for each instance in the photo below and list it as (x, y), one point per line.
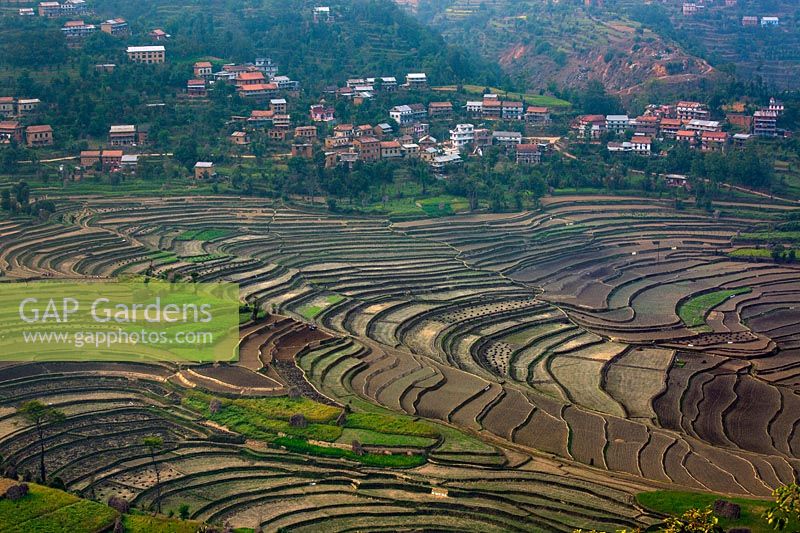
(409, 206)
(203, 258)
(202, 234)
(756, 253)
(46, 510)
(310, 311)
(267, 419)
(694, 310)
(370, 459)
(366, 436)
(142, 523)
(530, 98)
(126, 188)
(388, 424)
(771, 236)
(676, 503)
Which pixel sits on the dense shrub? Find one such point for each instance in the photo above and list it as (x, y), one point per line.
(227, 438)
(214, 406)
(298, 421)
(119, 504)
(16, 492)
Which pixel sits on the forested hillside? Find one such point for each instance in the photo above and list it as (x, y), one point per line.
(366, 37)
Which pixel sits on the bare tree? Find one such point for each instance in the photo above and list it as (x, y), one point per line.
(40, 415)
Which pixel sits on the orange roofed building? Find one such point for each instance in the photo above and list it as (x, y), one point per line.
(11, 131)
(38, 136)
(250, 78)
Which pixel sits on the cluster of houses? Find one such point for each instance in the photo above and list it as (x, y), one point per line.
(358, 90)
(114, 158)
(750, 21)
(12, 131)
(350, 144)
(407, 134)
(493, 108)
(687, 122)
(257, 81)
(693, 8)
(13, 111)
(12, 107)
(107, 161)
(77, 30)
(69, 8)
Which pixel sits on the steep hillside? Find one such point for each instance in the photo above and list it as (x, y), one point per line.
(540, 43)
(721, 33)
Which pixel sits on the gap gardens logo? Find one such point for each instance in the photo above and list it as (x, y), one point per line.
(119, 321)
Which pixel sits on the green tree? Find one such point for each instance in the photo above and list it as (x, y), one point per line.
(153, 445)
(786, 508)
(5, 200)
(186, 152)
(40, 415)
(693, 521)
(183, 511)
(777, 253)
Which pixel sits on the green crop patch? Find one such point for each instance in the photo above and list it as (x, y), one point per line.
(45, 509)
(142, 523)
(119, 321)
(694, 310)
(202, 235)
(370, 459)
(676, 503)
(391, 424)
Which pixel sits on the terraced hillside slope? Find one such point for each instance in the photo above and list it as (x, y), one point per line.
(540, 43)
(718, 32)
(595, 330)
(98, 452)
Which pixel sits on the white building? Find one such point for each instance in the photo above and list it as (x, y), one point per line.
(462, 135)
(322, 14)
(265, 65)
(475, 107)
(402, 114)
(703, 125)
(776, 106)
(417, 80)
(507, 138)
(641, 144)
(386, 83)
(285, 84)
(617, 123)
(440, 162)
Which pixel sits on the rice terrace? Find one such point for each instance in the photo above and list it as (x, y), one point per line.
(539, 370)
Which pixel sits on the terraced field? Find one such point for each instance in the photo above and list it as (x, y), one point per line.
(98, 452)
(552, 332)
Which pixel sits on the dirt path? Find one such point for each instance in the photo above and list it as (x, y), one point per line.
(71, 157)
